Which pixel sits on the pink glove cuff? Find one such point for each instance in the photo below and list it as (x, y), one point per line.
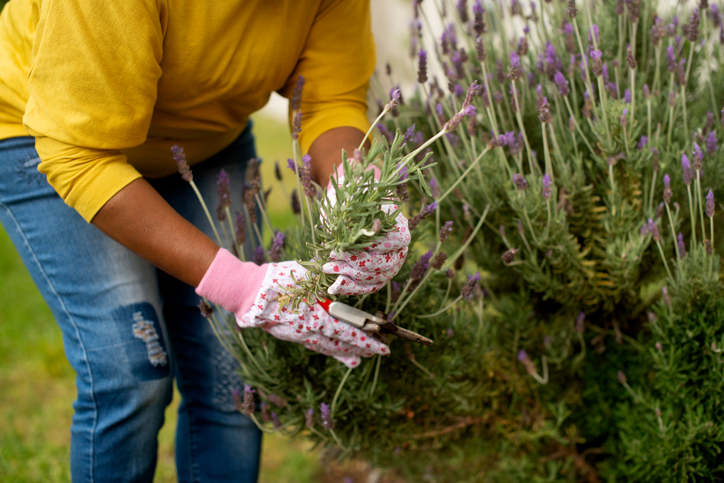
(231, 283)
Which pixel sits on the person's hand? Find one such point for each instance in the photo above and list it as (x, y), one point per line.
(250, 292)
(309, 324)
(368, 270)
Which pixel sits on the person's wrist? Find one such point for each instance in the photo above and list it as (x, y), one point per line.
(231, 283)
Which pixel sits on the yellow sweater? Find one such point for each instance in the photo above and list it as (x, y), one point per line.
(107, 87)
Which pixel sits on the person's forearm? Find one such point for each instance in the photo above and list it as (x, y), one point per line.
(327, 148)
(140, 219)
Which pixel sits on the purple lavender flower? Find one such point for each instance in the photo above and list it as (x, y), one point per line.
(445, 231)
(627, 96)
(647, 92)
(694, 26)
(595, 32)
(469, 288)
(715, 16)
(309, 418)
(434, 188)
(222, 183)
(259, 258)
(682, 72)
(667, 189)
(711, 141)
(326, 413)
(509, 256)
(470, 95)
(571, 123)
(686, 167)
(422, 66)
(248, 403)
(642, 142)
(624, 117)
(562, 83)
(520, 182)
(394, 99)
(596, 63)
(462, 8)
(275, 254)
(296, 124)
(478, 21)
(205, 309)
(418, 270)
(630, 59)
(183, 167)
(710, 204)
(296, 100)
(292, 165)
(572, 11)
(644, 229)
(697, 157)
(547, 184)
(525, 360)
(681, 245)
(671, 59)
(672, 98)
(653, 229)
(514, 66)
(305, 175)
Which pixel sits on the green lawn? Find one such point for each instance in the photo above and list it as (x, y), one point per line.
(37, 384)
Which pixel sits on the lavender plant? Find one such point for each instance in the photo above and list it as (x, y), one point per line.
(564, 256)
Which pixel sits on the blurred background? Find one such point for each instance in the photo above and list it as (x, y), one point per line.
(37, 385)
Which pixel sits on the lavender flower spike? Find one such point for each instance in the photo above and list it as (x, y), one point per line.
(710, 204)
(394, 99)
(596, 63)
(447, 229)
(327, 421)
(688, 175)
(711, 143)
(681, 245)
(248, 403)
(469, 288)
(514, 66)
(422, 66)
(547, 183)
(653, 229)
(520, 182)
(183, 167)
(697, 157)
(667, 189)
(562, 83)
(627, 96)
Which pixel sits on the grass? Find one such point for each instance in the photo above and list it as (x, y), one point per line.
(38, 383)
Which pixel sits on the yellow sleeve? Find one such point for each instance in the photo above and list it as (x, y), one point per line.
(92, 83)
(337, 62)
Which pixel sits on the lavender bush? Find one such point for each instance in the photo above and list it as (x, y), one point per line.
(565, 256)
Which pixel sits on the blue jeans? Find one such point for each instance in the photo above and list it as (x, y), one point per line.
(129, 328)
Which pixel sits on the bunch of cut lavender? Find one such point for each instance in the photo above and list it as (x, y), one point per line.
(355, 219)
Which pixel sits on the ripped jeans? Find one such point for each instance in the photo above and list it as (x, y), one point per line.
(129, 329)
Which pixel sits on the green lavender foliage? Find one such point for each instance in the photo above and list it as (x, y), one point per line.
(520, 386)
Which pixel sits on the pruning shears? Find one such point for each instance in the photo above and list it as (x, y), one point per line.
(377, 327)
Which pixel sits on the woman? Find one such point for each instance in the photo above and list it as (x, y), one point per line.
(92, 97)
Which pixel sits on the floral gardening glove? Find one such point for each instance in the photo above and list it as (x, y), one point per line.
(368, 270)
(310, 326)
(250, 292)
